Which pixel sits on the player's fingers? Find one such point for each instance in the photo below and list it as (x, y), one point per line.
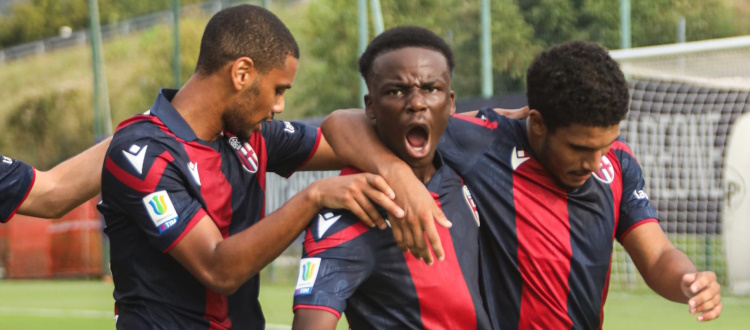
(357, 210)
(434, 238)
(710, 315)
(369, 208)
(706, 300)
(702, 281)
(440, 218)
(379, 183)
(420, 248)
(408, 237)
(398, 235)
(385, 202)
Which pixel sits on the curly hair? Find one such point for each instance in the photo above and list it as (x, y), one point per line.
(245, 30)
(577, 83)
(402, 37)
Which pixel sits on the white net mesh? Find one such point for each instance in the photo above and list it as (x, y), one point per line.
(684, 100)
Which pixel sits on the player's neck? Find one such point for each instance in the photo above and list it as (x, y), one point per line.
(200, 103)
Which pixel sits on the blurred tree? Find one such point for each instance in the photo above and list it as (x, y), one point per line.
(36, 19)
(332, 80)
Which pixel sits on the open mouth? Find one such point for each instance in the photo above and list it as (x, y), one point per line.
(418, 141)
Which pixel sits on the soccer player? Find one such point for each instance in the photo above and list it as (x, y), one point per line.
(183, 185)
(50, 194)
(555, 190)
(350, 268)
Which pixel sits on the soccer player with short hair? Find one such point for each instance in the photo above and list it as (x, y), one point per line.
(350, 268)
(555, 191)
(183, 184)
(53, 193)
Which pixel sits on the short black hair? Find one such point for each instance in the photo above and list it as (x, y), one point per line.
(577, 83)
(245, 30)
(403, 37)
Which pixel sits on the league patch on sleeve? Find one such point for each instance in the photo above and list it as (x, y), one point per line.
(160, 210)
(308, 272)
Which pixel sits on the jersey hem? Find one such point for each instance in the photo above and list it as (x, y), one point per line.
(642, 222)
(320, 308)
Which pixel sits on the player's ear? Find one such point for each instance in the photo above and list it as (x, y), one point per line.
(453, 102)
(369, 111)
(536, 121)
(243, 73)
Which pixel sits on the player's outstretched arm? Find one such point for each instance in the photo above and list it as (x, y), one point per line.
(670, 273)
(223, 264)
(67, 185)
(313, 319)
(352, 136)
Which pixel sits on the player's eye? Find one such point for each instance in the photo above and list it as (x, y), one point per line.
(395, 92)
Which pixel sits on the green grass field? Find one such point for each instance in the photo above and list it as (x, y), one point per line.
(69, 304)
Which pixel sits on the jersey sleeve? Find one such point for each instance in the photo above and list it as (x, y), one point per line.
(142, 183)
(635, 206)
(466, 138)
(16, 181)
(334, 267)
(290, 145)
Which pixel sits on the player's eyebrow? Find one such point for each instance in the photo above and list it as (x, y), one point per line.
(582, 147)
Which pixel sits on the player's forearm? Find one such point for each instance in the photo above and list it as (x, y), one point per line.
(354, 139)
(244, 255)
(67, 185)
(665, 275)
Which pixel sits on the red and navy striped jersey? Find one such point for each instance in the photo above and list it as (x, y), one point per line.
(16, 180)
(158, 180)
(545, 251)
(348, 267)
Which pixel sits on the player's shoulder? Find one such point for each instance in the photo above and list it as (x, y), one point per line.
(340, 223)
(620, 149)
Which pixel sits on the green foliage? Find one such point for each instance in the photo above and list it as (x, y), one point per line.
(36, 19)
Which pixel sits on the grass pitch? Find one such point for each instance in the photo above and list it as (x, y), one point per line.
(71, 304)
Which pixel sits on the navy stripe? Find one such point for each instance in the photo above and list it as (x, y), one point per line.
(591, 230)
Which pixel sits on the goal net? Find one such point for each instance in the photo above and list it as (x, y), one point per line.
(684, 100)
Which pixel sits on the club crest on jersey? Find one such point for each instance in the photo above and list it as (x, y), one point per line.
(472, 204)
(247, 155)
(606, 174)
(161, 210)
(308, 273)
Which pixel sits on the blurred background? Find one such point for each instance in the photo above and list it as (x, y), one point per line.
(71, 70)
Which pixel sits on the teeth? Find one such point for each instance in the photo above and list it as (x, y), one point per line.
(418, 148)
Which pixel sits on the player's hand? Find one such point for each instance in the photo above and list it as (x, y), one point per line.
(421, 213)
(513, 113)
(357, 193)
(705, 295)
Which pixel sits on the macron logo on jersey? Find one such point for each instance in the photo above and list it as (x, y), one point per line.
(7, 160)
(161, 210)
(135, 156)
(325, 221)
(308, 273)
(288, 127)
(193, 168)
(517, 157)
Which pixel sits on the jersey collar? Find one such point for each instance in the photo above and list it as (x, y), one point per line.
(163, 109)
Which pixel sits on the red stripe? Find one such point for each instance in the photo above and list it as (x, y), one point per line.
(136, 119)
(312, 153)
(349, 171)
(619, 145)
(217, 311)
(146, 185)
(31, 186)
(544, 248)
(443, 279)
(478, 121)
(193, 221)
(312, 247)
(320, 308)
(258, 143)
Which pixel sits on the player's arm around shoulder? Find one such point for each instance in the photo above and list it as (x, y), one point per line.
(67, 185)
(670, 273)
